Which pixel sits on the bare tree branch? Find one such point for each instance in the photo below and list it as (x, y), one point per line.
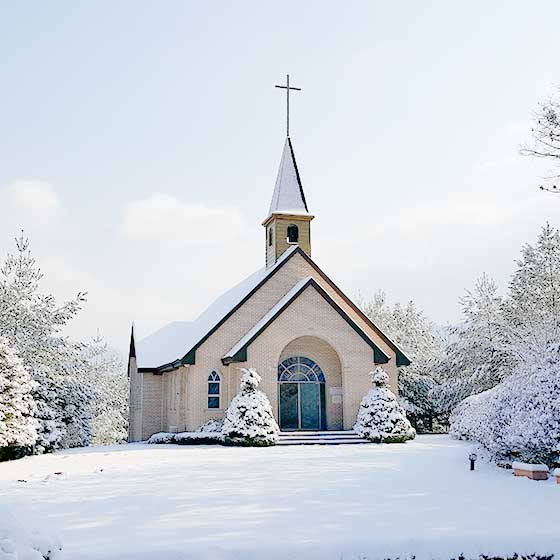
(545, 141)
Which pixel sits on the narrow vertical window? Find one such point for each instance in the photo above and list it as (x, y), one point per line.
(214, 390)
(293, 234)
(270, 236)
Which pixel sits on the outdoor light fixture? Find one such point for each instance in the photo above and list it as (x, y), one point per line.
(472, 459)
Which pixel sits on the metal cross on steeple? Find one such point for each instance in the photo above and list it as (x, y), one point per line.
(287, 87)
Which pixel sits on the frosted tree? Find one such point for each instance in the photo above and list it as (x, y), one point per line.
(475, 359)
(249, 419)
(381, 418)
(32, 322)
(408, 327)
(107, 375)
(532, 309)
(520, 417)
(545, 141)
(18, 427)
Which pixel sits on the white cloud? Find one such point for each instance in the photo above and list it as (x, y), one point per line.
(31, 202)
(163, 217)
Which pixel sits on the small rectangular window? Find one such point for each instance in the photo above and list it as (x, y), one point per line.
(213, 388)
(213, 402)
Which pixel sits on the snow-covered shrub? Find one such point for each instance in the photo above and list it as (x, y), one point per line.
(18, 427)
(187, 438)
(213, 425)
(19, 543)
(249, 419)
(381, 418)
(518, 419)
(162, 437)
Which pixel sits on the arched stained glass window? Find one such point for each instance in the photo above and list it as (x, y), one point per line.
(300, 370)
(214, 382)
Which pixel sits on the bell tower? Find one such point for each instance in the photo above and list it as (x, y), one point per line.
(289, 221)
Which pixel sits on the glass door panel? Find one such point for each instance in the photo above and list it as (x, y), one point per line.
(323, 407)
(310, 406)
(289, 405)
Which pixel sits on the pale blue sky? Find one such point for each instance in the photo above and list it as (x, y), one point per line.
(130, 130)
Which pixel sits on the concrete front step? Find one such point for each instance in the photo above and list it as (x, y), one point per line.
(320, 438)
(322, 433)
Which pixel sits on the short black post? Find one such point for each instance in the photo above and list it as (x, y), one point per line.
(472, 459)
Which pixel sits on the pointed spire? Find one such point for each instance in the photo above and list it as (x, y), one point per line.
(288, 196)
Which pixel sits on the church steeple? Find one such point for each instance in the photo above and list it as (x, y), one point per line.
(288, 193)
(288, 221)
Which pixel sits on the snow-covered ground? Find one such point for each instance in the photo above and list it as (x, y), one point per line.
(170, 502)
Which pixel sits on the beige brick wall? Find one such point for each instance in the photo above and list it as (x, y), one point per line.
(270, 249)
(197, 411)
(152, 404)
(185, 402)
(174, 400)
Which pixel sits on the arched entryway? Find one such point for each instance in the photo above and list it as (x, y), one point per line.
(301, 395)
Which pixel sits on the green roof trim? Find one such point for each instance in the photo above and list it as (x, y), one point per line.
(189, 359)
(379, 357)
(402, 360)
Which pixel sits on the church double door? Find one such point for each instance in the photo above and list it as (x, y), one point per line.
(301, 395)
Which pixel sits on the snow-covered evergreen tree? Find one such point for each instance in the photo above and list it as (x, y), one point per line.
(107, 376)
(18, 427)
(249, 419)
(475, 359)
(32, 323)
(408, 327)
(381, 418)
(531, 312)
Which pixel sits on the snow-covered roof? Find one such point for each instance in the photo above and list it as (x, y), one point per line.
(288, 196)
(158, 343)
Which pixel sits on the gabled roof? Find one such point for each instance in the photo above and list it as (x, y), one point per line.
(174, 343)
(162, 344)
(288, 196)
(239, 352)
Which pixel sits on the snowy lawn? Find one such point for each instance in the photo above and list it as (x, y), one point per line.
(171, 502)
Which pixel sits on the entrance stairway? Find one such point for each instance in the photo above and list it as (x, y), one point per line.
(320, 438)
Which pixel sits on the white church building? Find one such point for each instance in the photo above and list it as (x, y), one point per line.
(311, 344)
